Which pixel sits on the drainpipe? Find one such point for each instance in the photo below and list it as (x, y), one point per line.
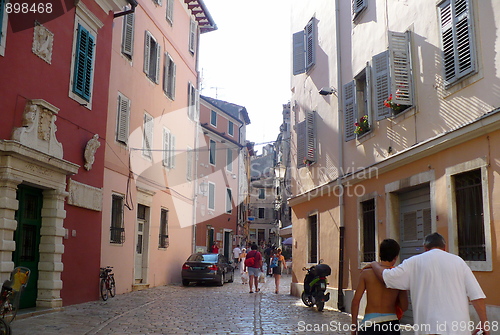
(133, 4)
(340, 101)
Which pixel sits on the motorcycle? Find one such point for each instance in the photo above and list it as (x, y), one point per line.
(315, 286)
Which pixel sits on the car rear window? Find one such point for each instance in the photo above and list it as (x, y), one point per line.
(208, 258)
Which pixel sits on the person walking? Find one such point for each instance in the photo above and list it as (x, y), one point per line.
(441, 285)
(244, 274)
(276, 264)
(253, 264)
(384, 306)
(236, 256)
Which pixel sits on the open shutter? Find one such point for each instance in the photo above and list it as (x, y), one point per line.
(311, 38)
(123, 119)
(189, 162)
(400, 67)
(192, 36)
(166, 70)
(301, 143)
(350, 108)
(157, 61)
(82, 76)
(2, 9)
(381, 80)
(148, 135)
(166, 148)
(89, 63)
(128, 35)
(170, 11)
(310, 136)
(357, 7)
(147, 53)
(299, 60)
(173, 70)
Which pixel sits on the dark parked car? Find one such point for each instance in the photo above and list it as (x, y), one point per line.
(207, 267)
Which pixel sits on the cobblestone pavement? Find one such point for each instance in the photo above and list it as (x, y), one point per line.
(200, 309)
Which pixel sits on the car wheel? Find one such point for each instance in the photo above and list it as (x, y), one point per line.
(185, 282)
(221, 280)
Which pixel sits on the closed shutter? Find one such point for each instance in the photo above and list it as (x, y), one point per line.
(170, 11)
(172, 151)
(381, 80)
(166, 148)
(400, 66)
(350, 108)
(148, 135)
(147, 52)
(457, 39)
(299, 60)
(128, 35)
(82, 77)
(191, 101)
(189, 162)
(311, 136)
(301, 145)
(169, 72)
(357, 7)
(157, 61)
(123, 119)
(310, 32)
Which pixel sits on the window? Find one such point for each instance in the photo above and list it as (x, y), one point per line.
(128, 35)
(392, 75)
(306, 140)
(122, 128)
(3, 27)
(212, 152)
(189, 163)
(192, 36)
(117, 233)
(229, 160)
(147, 135)
(262, 193)
(170, 11)
(304, 48)
(157, 2)
(83, 63)
(313, 239)
(168, 149)
(151, 57)
(230, 128)
(358, 6)
(457, 39)
(262, 213)
(356, 103)
(163, 238)
(229, 201)
(192, 103)
(211, 196)
(470, 223)
(368, 231)
(213, 118)
(169, 69)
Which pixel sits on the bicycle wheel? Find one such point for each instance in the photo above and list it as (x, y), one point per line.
(4, 328)
(104, 289)
(9, 311)
(112, 286)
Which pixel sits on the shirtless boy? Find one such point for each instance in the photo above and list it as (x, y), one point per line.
(380, 313)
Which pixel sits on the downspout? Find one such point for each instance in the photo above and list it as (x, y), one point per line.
(340, 284)
(133, 4)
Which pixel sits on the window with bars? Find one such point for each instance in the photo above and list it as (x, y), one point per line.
(313, 239)
(117, 231)
(368, 229)
(470, 223)
(163, 241)
(304, 48)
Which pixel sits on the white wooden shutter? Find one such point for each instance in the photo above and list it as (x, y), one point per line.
(400, 68)
(166, 148)
(192, 36)
(172, 151)
(166, 70)
(148, 135)
(189, 163)
(123, 119)
(147, 52)
(311, 136)
(299, 60)
(170, 11)
(457, 39)
(301, 143)
(311, 38)
(157, 64)
(350, 108)
(381, 81)
(128, 35)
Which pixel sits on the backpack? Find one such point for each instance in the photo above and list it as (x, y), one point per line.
(249, 262)
(274, 262)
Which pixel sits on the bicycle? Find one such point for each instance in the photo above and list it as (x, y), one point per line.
(108, 284)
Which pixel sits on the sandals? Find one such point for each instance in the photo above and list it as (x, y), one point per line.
(251, 291)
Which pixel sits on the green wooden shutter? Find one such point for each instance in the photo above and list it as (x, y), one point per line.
(381, 81)
(128, 35)
(82, 76)
(400, 68)
(349, 97)
(299, 60)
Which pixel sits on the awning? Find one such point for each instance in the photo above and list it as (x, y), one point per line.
(288, 241)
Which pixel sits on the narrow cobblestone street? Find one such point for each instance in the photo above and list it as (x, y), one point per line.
(201, 309)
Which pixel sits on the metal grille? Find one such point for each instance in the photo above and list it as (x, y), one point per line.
(313, 239)
(368, 230)
(117, 232)
(470, 223)
(28, 247)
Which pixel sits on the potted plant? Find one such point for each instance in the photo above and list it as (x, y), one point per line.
(363, 126)
(397, 108)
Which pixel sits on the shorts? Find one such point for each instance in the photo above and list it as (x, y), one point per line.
(276, 270)
(253, 271)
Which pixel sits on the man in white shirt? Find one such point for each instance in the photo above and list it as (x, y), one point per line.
(441, 285)
(236, 255)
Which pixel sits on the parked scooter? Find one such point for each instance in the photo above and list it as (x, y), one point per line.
(315, 286)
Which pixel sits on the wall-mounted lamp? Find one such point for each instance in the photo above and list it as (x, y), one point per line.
(204, 188)
(328, 91)
(279, 171)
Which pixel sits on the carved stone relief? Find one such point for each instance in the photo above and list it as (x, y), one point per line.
(43, 41)
(90, 149)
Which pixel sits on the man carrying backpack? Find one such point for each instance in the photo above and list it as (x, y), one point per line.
(253, 263)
